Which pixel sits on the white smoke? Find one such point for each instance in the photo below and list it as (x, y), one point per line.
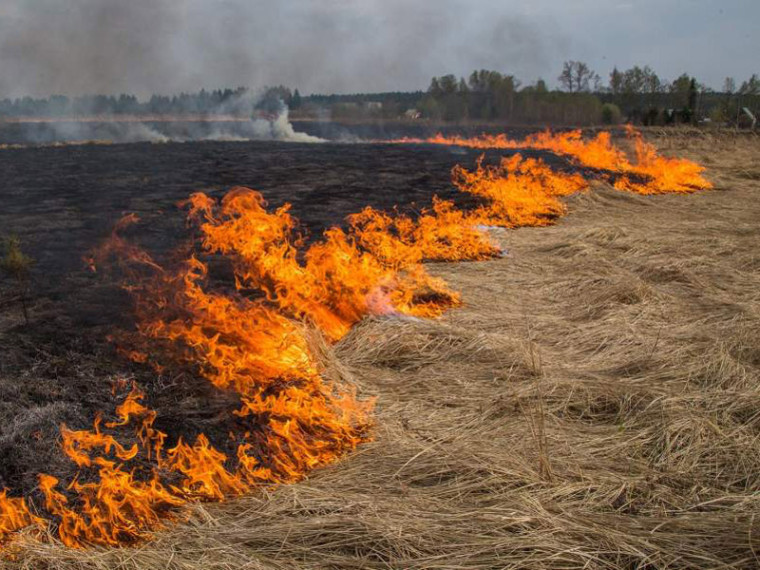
(259, 127)
(280, 129)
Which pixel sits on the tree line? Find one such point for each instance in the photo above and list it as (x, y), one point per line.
(637, 95)
(239, 101)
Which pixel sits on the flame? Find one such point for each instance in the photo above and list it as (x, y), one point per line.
(332, 285)
(661, 174)
(252, 339)
(114, 509)
(520, 192)
(75, 444)
(658, 174)
(15, 515)
(441, 234)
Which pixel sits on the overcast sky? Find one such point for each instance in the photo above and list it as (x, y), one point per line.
(145, 46)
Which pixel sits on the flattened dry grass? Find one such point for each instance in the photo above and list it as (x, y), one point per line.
(596, 404)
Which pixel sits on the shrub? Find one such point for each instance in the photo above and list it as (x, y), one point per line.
(611, 114)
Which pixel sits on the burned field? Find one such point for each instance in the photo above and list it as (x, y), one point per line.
(63, 202)
(594, 402)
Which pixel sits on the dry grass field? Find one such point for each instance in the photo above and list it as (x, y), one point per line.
(594, 404)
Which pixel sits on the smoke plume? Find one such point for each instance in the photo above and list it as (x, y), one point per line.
(167, 46)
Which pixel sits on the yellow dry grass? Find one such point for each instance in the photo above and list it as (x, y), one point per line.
(596, 404)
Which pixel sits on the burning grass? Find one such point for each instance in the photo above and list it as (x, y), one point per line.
(574, 489)
(661, 174)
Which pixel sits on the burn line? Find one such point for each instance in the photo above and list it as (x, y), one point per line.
(259, 348)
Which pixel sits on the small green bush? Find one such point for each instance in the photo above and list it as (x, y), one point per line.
(611, 114)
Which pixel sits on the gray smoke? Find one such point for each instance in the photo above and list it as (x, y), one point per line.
(74, 47)
(257, 128)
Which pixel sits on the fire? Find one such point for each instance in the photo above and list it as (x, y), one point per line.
(337, 277)
(15, 515)
(661, 174)
(441, 234)
(112, 510)
(252, 339)
(520, 192)
(657, 174)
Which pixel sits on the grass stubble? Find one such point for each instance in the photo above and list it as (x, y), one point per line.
(595, 404)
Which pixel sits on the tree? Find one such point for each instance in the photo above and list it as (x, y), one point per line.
(491, 94)
(652, 83)
(751, 86)
(616, 82)
(679, 90)
(729, 85)
(296, 101)
(577, 77)
(449, 102)
(693, 91)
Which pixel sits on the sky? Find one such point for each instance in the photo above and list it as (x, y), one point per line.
(74, 47)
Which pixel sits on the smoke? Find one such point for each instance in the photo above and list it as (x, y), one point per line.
(168, 46)
(277, 128)
(280, 129)
(274, 128)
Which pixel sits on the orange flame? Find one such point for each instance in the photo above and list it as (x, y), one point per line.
(15, 515)
(521, 192)
(252, 341)
(331, 288)
(659, 174)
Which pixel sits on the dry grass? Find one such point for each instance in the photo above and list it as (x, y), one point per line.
(596, 404)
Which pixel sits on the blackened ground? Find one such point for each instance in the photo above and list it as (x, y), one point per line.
(48, 132)
(63, 201)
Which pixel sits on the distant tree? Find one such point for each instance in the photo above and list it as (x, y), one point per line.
(729, 85)
(450, 102)
(449, 84)
(679, 90)
(751, 86)
(652, 83)
(296, 101)
(430, 108)
(577, 77)
(492, 94)
(634, 81)
(693, 98)
(616, 82)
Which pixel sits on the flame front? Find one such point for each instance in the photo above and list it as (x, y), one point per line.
(650, 173)
(252, 339)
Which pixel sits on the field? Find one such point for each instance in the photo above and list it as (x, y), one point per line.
(595, 402)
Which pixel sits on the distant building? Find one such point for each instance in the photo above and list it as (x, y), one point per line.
(412, 114)
(374, 105)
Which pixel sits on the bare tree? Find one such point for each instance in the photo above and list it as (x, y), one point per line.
(576, 76)
(616, 81)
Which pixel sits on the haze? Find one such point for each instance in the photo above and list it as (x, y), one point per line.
(74, 47)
